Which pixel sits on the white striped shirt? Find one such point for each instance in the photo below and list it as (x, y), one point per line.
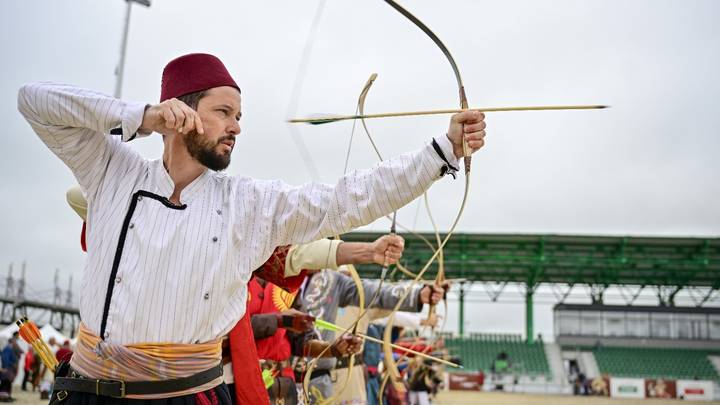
(160, 273)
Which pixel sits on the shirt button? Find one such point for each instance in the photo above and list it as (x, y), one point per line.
(118, 279)
(139, 198)
(106, 335)
(219, 212)
(206, 296)
(214, 239)
(132, 225)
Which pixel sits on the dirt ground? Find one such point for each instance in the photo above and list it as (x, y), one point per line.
(465, 398)
(25, 397)
(493, 398)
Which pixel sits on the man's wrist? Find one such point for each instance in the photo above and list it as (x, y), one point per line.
(445, 151)
(425, 299)
(354, 253)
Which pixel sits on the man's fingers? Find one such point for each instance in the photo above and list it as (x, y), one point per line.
(392, 257)
(341, 346)
(354, 344)
(475, 140)
(189, 123)
(475, 145)
(468, 117)
(168, 116)
(475, 136)
(475, 127)
(394, 240)
(179, 116)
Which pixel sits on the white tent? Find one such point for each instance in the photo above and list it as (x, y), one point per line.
(7, 332)
(48, 332)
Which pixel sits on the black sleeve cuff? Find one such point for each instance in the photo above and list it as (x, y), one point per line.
(447, 168)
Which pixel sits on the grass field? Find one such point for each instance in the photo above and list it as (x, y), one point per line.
(494, 398)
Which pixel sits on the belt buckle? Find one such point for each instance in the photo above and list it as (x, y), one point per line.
(122, 387)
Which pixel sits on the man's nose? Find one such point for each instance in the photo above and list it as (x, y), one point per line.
(234, 128)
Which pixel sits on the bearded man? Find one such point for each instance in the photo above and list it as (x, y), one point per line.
(172, 242)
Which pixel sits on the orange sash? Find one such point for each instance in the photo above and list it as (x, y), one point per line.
(96, 359)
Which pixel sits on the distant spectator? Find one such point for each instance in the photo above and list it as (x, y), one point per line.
(35, 372)
(419, 382)
(582, 384)
(28, 369)
(64, 353)
(600, 386)
(499, 367)
(501, 364)
(9, 369)
(16, 348)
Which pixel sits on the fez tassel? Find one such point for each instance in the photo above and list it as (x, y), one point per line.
(326, 119)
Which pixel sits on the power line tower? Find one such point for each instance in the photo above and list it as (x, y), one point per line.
(8, 302)
(21, 284)
(69, 296)
(57, 299)
(10, 283)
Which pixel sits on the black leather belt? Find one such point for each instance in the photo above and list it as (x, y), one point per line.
(119, 389)
(318, 373)
(344, 362)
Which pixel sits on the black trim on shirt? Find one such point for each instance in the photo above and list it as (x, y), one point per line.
(119, 131)
(447, 168)
(121, 245)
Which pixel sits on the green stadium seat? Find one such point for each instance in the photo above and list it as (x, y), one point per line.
(656, 363)
(479, 351)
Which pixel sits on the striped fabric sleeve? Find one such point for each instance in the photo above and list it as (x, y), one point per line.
(73, 123)
(294, 215)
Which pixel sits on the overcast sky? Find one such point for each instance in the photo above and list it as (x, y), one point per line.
(647, 166)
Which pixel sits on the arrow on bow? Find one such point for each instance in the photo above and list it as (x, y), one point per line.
(327, 119)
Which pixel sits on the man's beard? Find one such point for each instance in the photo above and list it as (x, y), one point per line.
(203, 150)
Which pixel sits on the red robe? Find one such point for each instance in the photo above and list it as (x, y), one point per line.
(268, 300)
(249, 387)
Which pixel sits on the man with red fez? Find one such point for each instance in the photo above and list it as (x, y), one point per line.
(172, 242)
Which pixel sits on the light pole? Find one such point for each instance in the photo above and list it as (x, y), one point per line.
(123, 46)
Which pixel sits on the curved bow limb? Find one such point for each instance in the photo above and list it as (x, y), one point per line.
(391, 367)
(440, 277)
(353, 273)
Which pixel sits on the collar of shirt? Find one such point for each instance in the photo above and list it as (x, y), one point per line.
(166, 185)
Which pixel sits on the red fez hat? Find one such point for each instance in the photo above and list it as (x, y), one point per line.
(192, 73)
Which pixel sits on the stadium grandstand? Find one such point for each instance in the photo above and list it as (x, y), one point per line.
(664, 350)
